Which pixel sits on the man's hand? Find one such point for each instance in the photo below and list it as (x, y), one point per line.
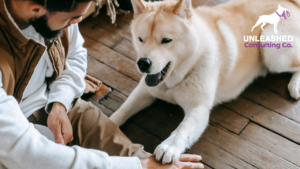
(59, 123)
(185, 162)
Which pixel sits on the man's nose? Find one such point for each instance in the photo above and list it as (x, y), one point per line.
(144, 65)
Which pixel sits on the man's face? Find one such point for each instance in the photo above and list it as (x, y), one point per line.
(51, 25)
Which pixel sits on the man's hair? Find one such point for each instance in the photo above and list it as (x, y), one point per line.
(60, 5)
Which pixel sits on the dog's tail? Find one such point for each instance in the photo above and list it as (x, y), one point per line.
(297, 2)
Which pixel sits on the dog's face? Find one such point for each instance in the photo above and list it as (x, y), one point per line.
(281, 9)
(162, 37)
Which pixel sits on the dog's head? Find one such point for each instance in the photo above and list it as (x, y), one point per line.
(162, 37)
(281, 9)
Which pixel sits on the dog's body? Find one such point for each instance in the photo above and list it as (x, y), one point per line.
(207, 63)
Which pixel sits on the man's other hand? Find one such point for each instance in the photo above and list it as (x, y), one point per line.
(59, 123)
(186, 161)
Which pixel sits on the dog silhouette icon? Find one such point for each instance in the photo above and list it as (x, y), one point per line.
(274, 18)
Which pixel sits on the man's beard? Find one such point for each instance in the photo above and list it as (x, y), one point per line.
(41, 26)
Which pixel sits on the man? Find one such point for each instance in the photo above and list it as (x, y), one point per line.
(42, 69)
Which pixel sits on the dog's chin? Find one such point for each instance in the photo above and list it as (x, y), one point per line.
(153, 80)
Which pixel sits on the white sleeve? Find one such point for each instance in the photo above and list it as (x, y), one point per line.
(23, 147)
(70, 84)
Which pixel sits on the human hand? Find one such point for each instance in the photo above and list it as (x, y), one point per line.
(185, 162)
(59, 123)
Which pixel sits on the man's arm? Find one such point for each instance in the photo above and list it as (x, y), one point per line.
(69, 85)
(23, 147)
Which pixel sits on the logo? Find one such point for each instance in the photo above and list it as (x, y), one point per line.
(274, 18)
(270, 41)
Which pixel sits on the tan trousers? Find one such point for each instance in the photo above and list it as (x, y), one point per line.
(93, 129)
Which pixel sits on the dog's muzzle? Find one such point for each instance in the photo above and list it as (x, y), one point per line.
(154, 79)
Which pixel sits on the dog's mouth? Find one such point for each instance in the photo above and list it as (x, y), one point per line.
(154, 79)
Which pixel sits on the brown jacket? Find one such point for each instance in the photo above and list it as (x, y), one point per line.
(19, 57)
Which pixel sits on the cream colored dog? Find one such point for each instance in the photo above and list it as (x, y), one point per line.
(197, 58)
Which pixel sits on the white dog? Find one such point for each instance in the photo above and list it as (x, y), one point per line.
(274, 18)
(196, 58)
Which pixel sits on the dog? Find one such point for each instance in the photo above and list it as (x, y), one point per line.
(196, 58)
(271, 19)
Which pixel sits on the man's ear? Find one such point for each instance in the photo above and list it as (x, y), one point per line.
(35, 9)
(183, 8)
(138, 6)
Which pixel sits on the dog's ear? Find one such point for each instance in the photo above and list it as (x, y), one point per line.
(183, 8)
(279, 5)
(138, 6)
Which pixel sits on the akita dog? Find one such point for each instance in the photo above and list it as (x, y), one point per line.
(274, 18)
(196, 58)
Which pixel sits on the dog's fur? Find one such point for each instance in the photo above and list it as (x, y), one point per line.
(209, 63)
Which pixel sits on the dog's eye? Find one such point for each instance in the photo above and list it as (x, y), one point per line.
(166, 40)
(140, 39)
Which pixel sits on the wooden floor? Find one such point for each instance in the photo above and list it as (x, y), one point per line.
(260, 129)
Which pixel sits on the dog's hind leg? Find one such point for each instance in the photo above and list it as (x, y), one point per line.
(262, 26)
(139, 99)
(287, 57)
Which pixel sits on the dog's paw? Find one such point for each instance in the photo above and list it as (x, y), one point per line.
(167, 153)
(294, 88)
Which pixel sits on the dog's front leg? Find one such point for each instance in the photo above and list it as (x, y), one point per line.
(188, 132)
(139, 99)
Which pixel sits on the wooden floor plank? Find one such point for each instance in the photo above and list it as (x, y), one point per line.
(276, 83)
(110, 76)
(132, 131)
(114, 100)
(245, 150)
(266, 118)
(228, 119)
(168, 124)
(104, 109)
(110, 103)
(113, 59)
(164, 118)
(260, 95)
(207, 167)
(272, 142)
(126, 48)
(216, 157)
(220, 115)
(120, 27)
(99, 34)
(117, 96)
(162, 124)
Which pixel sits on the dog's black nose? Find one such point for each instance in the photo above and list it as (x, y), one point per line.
(144, 65)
